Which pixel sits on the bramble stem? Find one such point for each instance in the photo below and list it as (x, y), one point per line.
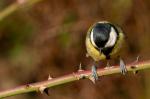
(16, 6)
(82, 74)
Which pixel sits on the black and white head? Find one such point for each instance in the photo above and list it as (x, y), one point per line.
(103, 35)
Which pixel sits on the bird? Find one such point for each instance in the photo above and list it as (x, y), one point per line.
(104, 41)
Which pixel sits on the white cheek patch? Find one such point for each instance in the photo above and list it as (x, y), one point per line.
(112, 38)
(92, 38)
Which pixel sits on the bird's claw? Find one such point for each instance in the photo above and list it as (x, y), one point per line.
(123, 67)
(94, 73)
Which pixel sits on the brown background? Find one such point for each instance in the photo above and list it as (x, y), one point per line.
(49, 38)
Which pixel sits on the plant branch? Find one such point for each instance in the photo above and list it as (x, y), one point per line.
(16, 6)
(80, 74)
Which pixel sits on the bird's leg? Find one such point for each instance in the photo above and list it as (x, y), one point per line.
(123, 67)
(94, 71)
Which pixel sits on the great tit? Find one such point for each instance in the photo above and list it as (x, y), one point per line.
(103, 42)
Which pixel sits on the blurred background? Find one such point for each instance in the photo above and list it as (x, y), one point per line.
(48, 37)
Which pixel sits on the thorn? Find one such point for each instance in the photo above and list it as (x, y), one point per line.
(134, 66)
(82, 76)
(50, 77)
(46, 91)
(137, 59)
(135, 72)
(92, 79)
(76, 76)
(134, 69)
(41, 89)
(80, 68)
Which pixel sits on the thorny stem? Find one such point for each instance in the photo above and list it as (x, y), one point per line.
(86, 74)
(16, 6)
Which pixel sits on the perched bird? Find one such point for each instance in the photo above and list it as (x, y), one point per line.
(103, 42)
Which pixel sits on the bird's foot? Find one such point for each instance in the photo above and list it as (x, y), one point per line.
(94, 76)
(123, 67)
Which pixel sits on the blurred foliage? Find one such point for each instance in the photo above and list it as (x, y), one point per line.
(49, 38)
(15, 33)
